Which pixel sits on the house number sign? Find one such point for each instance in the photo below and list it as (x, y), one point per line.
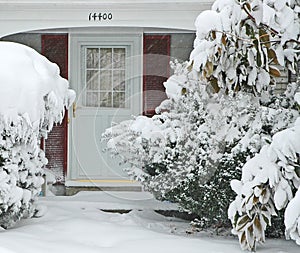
(100, 16)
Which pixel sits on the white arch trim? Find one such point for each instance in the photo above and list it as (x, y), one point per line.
(31, 15)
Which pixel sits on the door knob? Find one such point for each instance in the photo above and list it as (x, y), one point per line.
(74, 110)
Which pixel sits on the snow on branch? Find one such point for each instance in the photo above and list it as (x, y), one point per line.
(239, 42)
(268, 181)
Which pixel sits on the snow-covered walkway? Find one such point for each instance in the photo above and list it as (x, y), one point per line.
(77, 225)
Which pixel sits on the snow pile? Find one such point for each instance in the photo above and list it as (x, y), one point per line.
(239, 42)
(76, 224)
(33, 97)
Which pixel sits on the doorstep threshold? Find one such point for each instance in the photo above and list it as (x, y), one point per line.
(101, 183)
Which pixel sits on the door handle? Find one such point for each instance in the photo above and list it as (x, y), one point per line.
(74, 109)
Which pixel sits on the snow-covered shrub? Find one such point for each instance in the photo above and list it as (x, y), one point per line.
(268, 182)
(191, 150)
(33, 97)
(292, 217)
(240, 42)
(209, 200)
(238, 45)
(252, 129)
(180, 142)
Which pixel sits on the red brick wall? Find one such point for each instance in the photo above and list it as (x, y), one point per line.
(156, 71)
(55, 48)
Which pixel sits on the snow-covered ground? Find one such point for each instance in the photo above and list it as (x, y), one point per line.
(77, 225)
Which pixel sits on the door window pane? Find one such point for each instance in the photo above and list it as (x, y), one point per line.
(105, 77)
(105, 99)
(92, 79)
(119, 58)
(119, 80)
(105, 80)
(92, 99)
(105, 58)
(92, 58)
(118, 99)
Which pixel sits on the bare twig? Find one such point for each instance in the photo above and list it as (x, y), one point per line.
(232, 35)
(244, 6)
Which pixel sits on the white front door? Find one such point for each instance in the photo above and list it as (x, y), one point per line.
(105, 71)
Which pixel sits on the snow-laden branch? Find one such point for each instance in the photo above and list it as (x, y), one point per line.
(268, 181)
(237, 41)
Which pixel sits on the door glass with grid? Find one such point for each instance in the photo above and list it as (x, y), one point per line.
(105, 77)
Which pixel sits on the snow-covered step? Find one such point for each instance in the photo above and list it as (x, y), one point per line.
(118, 200)
(75, 186)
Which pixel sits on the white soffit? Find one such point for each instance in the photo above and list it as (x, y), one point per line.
(31, 15)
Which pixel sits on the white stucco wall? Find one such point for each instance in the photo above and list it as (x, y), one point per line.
(29, 15)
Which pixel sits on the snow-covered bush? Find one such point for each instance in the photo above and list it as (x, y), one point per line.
(240, 42)
(209, 200)
(292, 216)
(268, 183)
(237, 45)
(191, 150)
(221, 109)
(33, 97)
(184, 140)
